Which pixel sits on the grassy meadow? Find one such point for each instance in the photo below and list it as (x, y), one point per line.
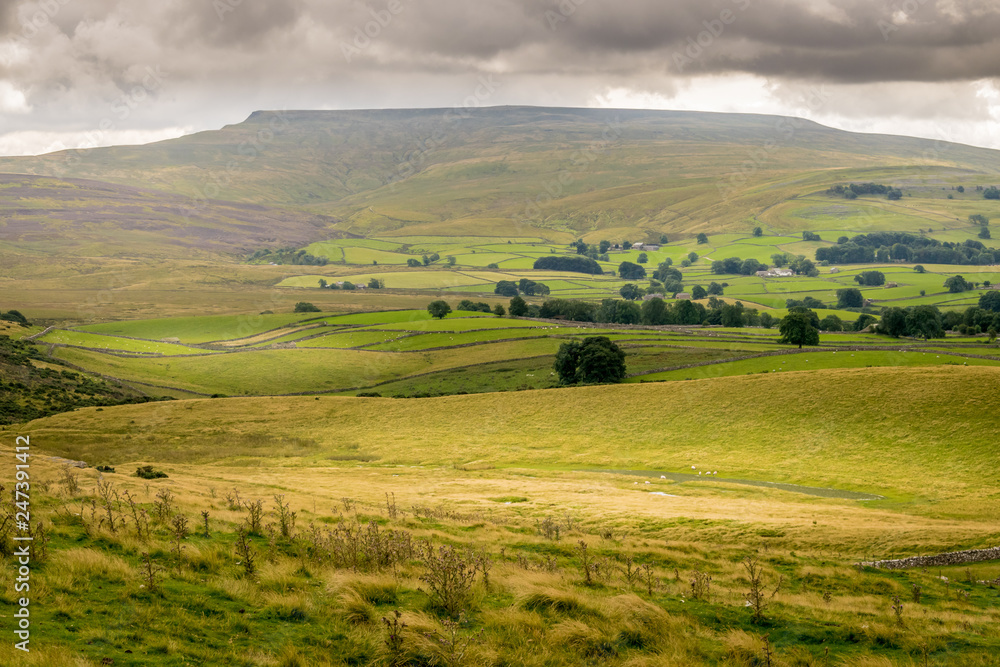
(500, 491)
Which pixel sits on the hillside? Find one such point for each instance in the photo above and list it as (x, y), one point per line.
(812, 430)
(491, 171)
(41, 216)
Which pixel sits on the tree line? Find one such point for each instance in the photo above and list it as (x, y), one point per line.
(904, 247)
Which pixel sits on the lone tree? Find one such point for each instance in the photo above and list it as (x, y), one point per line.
(631, 271)
(702, 238)
(758, 232)
(438, 309)
(797, 329)
(957, 284)
(594, 360)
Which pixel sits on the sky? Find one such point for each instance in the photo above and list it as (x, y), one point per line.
(82, 73)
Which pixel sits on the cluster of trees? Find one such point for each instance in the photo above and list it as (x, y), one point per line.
(480, 307)
(984, 225)
(655, 312)
(855, 190)
(15, 316)
(811, 236)
(427, 260)
(870, 278)
(593, 360)
(286, 256)
(576, 264)
(748, 267)
(903, 247)
(991, 192)
(525, 286)
(373, 283)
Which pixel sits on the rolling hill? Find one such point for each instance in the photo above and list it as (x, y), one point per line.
(504, 170)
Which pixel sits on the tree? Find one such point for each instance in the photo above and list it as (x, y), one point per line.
(702, 238)
(619, 312)
(924, 321)
(506, 288)
(758, 232)
(413, 262)
(895, 194)
(594, 360)
(804, 267)
(864, 321)
(870, 278)
(850, 298)
(893, 322)
(699, 292)
(631, 292)
(451, 260)
(979, 219)
(518, 307)
(715, 289)
(643, 258)
(766, 320)
(990, 301)
(991, 192)
(797, 329)
(376, 283)
(348, 285)
(322, 283)
(305, 307)
(664, 240)
(732, 315)
(654, 312)
(630, 271)
(693, 257)
(919, 268)
(499, 311)
(957, 284)
(984, 233)
(438, 309)
(831, 323)
(604, 246)
(779, 259)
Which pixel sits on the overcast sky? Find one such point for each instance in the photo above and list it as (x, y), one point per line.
(83, 72)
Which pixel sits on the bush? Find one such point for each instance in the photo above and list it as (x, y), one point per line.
(305, 307)
(147, 472)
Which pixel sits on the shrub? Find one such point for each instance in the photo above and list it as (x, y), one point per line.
(305, 307)
(147, 472)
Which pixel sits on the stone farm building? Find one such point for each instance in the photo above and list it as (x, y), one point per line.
(776, 273)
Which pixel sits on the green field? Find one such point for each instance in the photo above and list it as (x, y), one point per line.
(329, 472)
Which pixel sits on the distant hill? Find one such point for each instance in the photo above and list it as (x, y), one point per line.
(495, 170)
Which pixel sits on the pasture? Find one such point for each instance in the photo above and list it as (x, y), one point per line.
(515, 482)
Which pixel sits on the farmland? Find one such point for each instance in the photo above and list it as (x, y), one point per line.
(351, 481)
(409, 353)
